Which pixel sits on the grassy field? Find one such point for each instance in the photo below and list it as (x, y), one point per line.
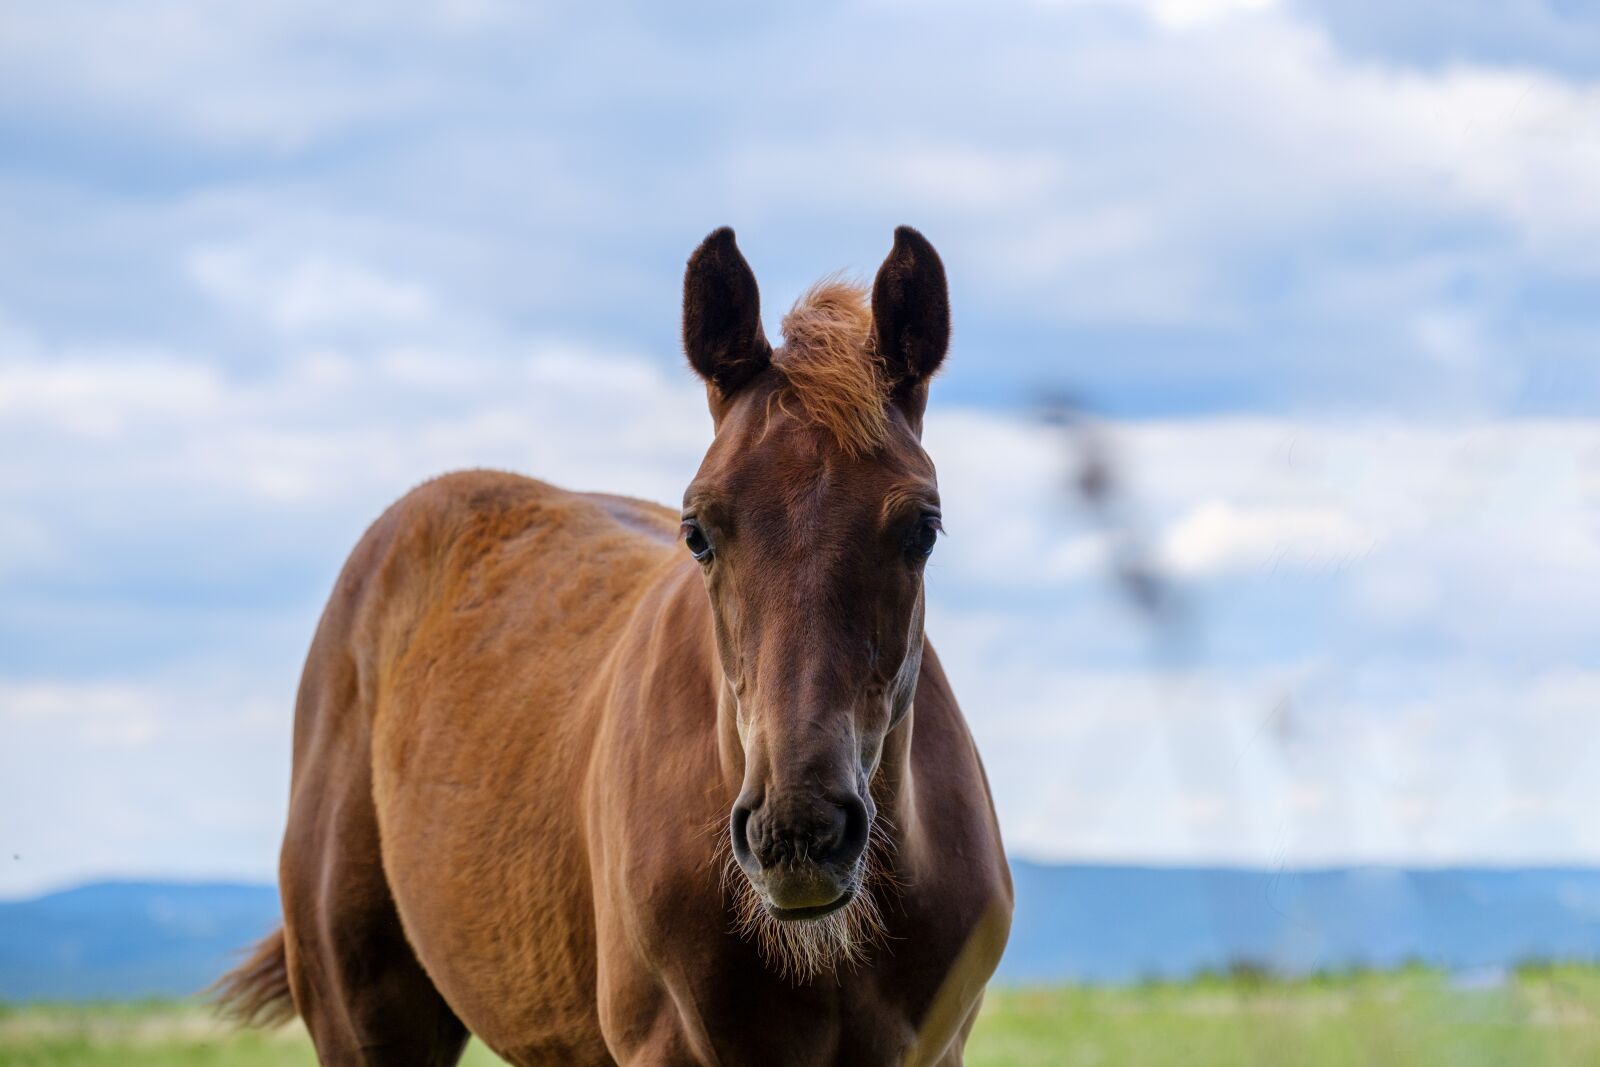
(1546, 1017)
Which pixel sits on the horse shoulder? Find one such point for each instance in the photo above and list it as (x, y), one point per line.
(959, 886)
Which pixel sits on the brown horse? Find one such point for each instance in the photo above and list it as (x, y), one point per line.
(606, 783)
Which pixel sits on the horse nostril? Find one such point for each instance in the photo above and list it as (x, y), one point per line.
(847, 837)
(827, 835)
(739, 833)
(830, 833)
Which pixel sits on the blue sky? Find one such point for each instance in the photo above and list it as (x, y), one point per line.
(1325, 271)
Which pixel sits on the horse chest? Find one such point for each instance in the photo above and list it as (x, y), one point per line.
(862, 1021)
(699, 994)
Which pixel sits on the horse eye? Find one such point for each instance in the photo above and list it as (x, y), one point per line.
(920, 544)
(695, 539)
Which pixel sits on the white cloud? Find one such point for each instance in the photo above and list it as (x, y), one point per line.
(326, 424)
(1180, 14)
(1399, 511)
(106, 714)
(1168, 177)
(1175, 14)
(100, 398)
(309, 293)
(236, 77)
(1215, 536)
(1427, 704)
(1196, 767)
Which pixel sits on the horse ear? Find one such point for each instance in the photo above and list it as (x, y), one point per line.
(911, 312)
(722, 333)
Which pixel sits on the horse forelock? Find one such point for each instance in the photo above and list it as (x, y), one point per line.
(831, 364)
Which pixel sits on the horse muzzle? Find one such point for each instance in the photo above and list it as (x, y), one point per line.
(804, 857)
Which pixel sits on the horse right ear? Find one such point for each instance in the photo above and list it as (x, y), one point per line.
(722, 333)
(911, 311)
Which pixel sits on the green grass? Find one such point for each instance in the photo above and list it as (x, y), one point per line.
(1548, 1017)
(1542, 1017)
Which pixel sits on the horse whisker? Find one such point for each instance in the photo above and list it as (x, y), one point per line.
(802, 950)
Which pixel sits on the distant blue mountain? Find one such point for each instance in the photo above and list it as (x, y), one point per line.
(1120, 924)
(1073, 923)
(128, 939)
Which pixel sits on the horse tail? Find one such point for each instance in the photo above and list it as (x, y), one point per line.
(256, 993)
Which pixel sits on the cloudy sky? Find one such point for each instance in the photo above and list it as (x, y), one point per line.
(1324, 274)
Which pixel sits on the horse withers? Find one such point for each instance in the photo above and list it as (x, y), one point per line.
(601, 782)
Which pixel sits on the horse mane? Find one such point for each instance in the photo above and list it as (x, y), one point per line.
(831, 365)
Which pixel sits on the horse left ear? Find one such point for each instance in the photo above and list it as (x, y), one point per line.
(911, 314)
(722, 333)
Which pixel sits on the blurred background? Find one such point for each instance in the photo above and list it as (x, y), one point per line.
(1268, 441)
